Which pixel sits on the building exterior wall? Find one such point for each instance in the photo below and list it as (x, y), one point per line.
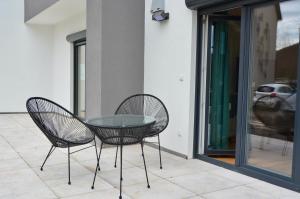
(62, 65)
(36, 60)
(115, 53)
(26, 67)
(34, 7)
(170, 71)
(123, 51)
(93, 58)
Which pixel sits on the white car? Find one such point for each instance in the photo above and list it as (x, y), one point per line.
(278, 90)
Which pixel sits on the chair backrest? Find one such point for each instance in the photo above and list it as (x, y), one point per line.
(274, 112)
(147, 105)
(60, 126)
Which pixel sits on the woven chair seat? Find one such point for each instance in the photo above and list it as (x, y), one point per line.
(146, 105)
(61, 127)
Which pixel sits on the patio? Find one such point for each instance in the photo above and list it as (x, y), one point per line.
(23, 148)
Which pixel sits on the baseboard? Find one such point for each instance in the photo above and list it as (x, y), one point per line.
(13, 113)
(166, 150)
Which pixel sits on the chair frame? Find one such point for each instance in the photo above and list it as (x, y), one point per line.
(69, 144)
(156, 134)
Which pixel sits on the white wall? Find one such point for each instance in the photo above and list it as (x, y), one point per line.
(63, 59)
(36, 60)
(25, 68)
(170, 71)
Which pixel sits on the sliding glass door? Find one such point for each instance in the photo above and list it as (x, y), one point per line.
(273, 86)
(248, 80)
(223, 64)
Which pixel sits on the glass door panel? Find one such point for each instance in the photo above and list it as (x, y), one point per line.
(273, 88)
(79, 88)
(223, 85)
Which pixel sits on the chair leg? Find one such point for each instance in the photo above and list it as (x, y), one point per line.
(284, 150)
(48, 155)
(100, 156)
(69, 165)
(116, 157)
(97, 166)
(142, 146)
(121, 167)
(159, 152)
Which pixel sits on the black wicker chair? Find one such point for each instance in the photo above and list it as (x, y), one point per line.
(276, 114)
(62, 128)
(147, 105)
(121, 137)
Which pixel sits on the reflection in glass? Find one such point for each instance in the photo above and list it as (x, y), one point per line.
(81, 82)
(274, 56)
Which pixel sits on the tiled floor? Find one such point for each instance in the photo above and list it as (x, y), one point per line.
(23, 148)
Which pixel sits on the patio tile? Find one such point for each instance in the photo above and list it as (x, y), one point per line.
(53, 172)
(196, 197)
(80, 185)
(12, 164)
(28, 195)
(274, 191)
(6, 151)
(131, 176)
(234, 176)
(21, 139)
(35, 156)
(87, 154)
(201, 183)
(23, 183)
(23, 120)
(23, 148)
(103, 194)
(160, 189)
(151, 156)
(108, 150)
(238, 192)
(174, 168)
(7, 122)
(106, 164)
(15, 132)
(8, 155)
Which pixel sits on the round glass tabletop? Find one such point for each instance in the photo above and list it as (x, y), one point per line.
(122, 121)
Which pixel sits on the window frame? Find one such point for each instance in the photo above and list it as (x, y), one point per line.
(76, 45)
(241, 166)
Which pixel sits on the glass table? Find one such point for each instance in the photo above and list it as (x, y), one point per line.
(122, 121)
(121, 130)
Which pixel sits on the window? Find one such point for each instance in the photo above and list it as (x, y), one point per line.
(285, 90)
(265, 89)
(79, 78)
(273, 58)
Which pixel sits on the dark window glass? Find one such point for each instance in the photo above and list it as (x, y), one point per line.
(265, 89)
(274, 58)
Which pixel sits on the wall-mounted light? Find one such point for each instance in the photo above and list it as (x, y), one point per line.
(158, 11)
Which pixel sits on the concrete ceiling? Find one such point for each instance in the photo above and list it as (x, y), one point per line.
(59, 11)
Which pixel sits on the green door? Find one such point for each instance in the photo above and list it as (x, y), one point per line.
(223, 64)
(219, 92)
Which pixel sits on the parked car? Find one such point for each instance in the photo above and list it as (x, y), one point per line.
(276, 90)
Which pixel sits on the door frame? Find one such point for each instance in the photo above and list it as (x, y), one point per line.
(76, 45)
(211, 19)
(240, 166)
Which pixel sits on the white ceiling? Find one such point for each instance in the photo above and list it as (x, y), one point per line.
(60, 11)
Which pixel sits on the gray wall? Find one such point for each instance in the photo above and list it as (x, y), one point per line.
(93, 58)
(34, 7)
(123, 51)
(115, 53)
